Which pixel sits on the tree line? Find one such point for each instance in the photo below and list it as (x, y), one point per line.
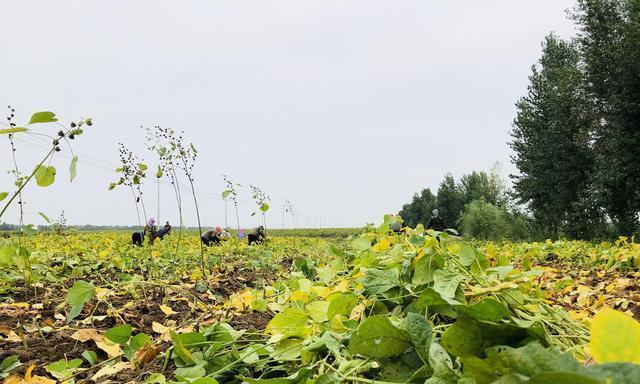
(576, 136)
(575, 141)
(478, 205)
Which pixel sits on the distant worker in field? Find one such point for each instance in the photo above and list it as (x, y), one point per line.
(396, 224)
(241, 234)
(256, 235)
(149, 232)
(225, 234)
(436, 222)
(162, 232)
(211, 237)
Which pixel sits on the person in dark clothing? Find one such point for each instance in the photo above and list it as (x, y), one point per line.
(396, 224)
(436, 222)
(162, 232)
(137, 238)
(211, 237)
(256, 235)
(149, 232)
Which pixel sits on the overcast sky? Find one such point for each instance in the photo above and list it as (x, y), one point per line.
(344, 107)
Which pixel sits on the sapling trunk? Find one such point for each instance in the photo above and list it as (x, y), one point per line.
(18, 192)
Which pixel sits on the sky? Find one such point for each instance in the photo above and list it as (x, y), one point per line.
(344, 107)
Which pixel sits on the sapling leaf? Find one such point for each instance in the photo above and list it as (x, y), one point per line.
(73, 168)
(43, 117)
(29, 230)
(264, 207)
(45, 217)
(226, 193)
(12, 130)
(3, 195)
(45, 175)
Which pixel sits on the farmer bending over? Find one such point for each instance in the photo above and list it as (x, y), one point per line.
(256, 235)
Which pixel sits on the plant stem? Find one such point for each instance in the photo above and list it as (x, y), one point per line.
(15, 194)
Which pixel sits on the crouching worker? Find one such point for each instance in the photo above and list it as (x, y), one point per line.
(162, 232)
(149, 232)
(256, 235)
(211, 237)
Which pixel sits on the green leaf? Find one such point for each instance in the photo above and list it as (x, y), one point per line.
(615, 338)
(380, 280)
(120, 334)
(29, 230)
(142, 166)
(74, 312)
(486, 310)
(562, 377)
(80, 293)
(425, 268)
(3, 195)
(140, 340)
(341, 303)
(155, 378)
(226, 193)
(159, 172)
(91, 357)
(361, 244)
(446, 283)
(45, 217)
(8, 364)
(205, 380)
(187, 374)
(43, 117)
(467, 255)
(420, 332)
(615, 372)
(73, 171)
(429, 298)
(318, 311)
(264, 207)
(299, 377)
(469, 337)
(180, 350)
(289, 323)
(377, 337)
(527, 361)
(45, 175)
(7, 131)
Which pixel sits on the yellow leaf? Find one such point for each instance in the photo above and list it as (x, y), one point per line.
(167, 310)
(299, 296)
(110, 370)
(110, 348)
(84, 335)
(196, 274)
(615, 337)
(381, 246)
(103, 293)
(28, 379)
(159, 328)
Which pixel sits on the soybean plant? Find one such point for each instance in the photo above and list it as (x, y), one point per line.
(44, 173)
(262, 201)
(132, 172)
(232, 193)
